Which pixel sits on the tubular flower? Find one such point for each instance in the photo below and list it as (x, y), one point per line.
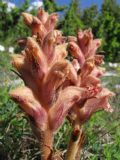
(55, 86)
(89, 72)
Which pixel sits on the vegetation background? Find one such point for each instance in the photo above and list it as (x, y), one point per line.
(103, 130)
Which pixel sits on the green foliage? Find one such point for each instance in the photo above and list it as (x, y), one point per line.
(108, 28)
(72, 21)
(11, 27)
(51, 6)
(89, 16)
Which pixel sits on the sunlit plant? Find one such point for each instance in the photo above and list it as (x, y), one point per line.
(56, 88)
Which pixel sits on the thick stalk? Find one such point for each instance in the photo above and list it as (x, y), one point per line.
(46, 145)
(82, 139)
(74, 144)
(45, 139)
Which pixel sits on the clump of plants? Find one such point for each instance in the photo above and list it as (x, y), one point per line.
(55, 87)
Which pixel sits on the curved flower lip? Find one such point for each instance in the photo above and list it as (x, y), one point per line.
(76, 52)
(66, 99)
(81, 35)
(60, 52)
(72, 75)
(90, 80)
(87, 44)
(49, 43)
(87, 67)
(96, 103)
(17, 61)
(51, 22)
(105, 92)
(84, 38)
(30, 19)
(35, 24)
(42, 15)
(35, 52)
(30, 105)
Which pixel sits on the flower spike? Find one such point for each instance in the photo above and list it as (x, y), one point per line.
(56, 88)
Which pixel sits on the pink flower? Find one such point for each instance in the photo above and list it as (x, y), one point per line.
(88, 64)
(92, 105)
(53, 85)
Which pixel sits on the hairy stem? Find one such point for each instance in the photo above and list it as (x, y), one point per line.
(46, 145)
(45, 139)
(82, 139)
(75, 143)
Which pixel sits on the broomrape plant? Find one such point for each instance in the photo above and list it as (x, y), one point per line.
(56, 88)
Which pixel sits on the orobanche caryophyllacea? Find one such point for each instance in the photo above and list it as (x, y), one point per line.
(55, 87)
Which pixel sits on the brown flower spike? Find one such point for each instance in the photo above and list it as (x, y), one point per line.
(55, 87)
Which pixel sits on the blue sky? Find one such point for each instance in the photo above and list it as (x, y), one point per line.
(83, 3)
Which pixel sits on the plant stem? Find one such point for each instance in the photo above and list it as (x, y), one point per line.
(75, 143)
(82, 139)
(46, 145)
(45, 139)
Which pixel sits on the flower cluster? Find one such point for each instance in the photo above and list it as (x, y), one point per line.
(87, 64)
(54, 86)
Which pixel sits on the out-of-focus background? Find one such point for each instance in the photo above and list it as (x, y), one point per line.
(103, 130)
